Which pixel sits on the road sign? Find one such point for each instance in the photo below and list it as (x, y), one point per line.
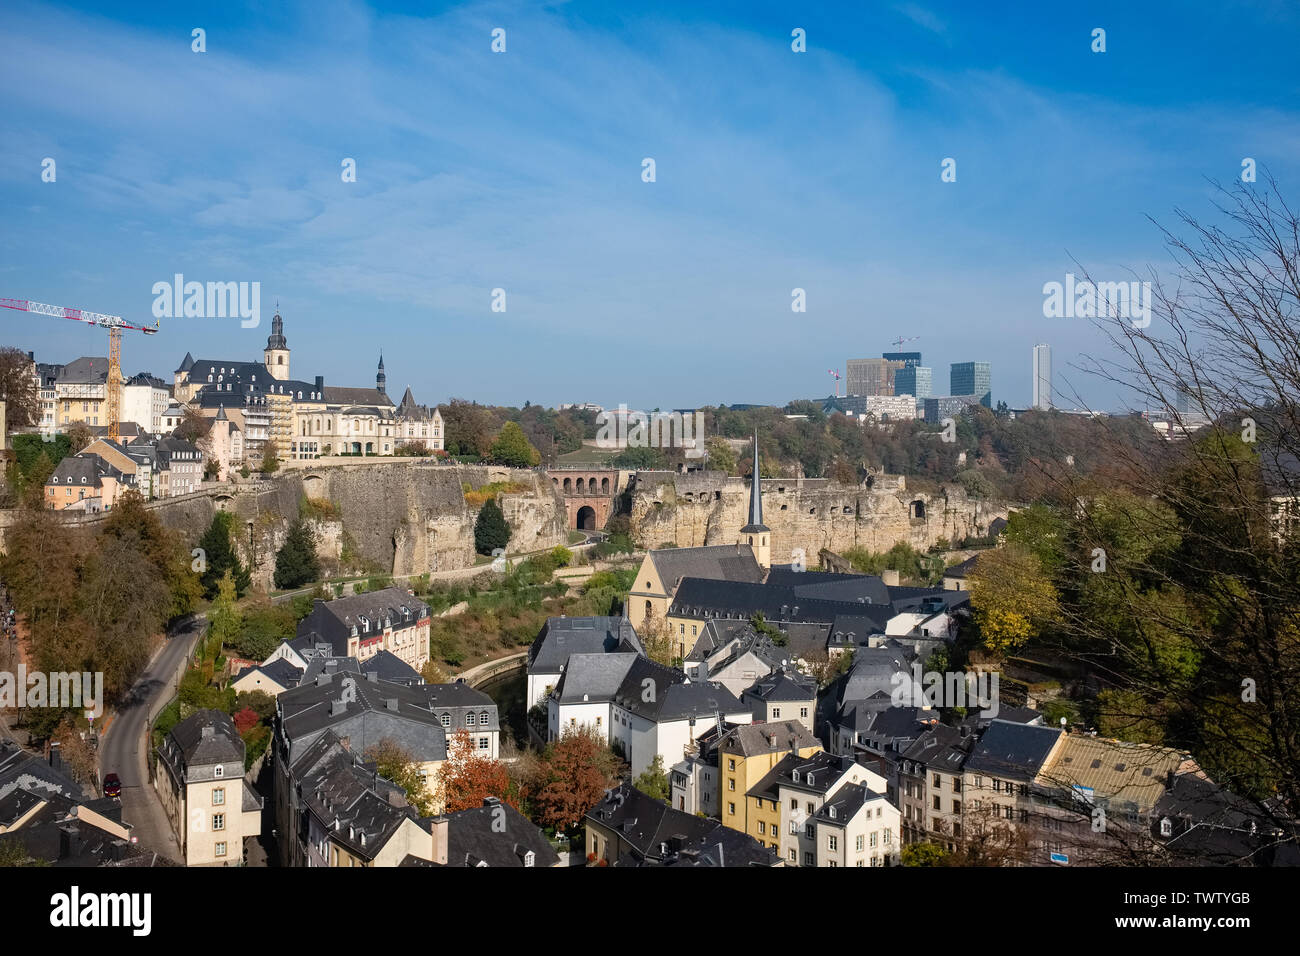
(1060, 858)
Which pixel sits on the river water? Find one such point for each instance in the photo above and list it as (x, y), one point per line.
(507, 692)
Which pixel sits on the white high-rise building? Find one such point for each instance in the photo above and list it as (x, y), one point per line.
(1042, 377)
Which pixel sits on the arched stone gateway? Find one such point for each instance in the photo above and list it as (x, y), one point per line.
(588, 495)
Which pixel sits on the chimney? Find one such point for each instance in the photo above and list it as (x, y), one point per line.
(70, 842)
(320, 383)
(206, 732)
(391, 703)
(491, 801)
(337, 707)
(890, 577)
(56, 755)
(439, 826)
(373, 677)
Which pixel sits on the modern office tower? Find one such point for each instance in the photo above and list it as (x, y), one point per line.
(871, 376)
(973, 378)
(916, 380)
(1042, 377)
(1182, 401)
(907, 358)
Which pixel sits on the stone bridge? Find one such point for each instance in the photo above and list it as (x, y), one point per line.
(588, 494)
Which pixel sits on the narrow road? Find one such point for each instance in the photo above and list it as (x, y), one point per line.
(123, 750)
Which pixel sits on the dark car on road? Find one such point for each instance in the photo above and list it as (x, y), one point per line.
(112, 786)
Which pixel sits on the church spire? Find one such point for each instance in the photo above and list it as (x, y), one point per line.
(755, 497)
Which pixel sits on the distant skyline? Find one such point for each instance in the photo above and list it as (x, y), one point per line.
(522, 171)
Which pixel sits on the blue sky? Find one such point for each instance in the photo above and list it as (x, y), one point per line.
(522, 171)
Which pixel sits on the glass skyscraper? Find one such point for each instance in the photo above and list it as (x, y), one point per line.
(913, 380)
(973, 378)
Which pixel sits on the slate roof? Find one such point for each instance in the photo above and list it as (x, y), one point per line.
(327, 663)
(312, 708)
(144, 378)
(847, 802)
(749, 641)
(659, 835)
(338, 785)
(344, 395)
(593, 677)
(715, 633)
(863, 588)
(171, 445)
(388, 666)
(784, 684)
(563, 636)
(721, 846)
(856, 629)
(84, 470)
(750, 739)
(869, 681)
(61, 840)
(705, 597)
(331, 622)
(1214, 826)
(674, 697)
(942, 748)
(1015, 751)
(279, 670)
(962, 569)
(456, 695)
(20, 770)
(208, 737)
(824, 767)
(723, 562)
(87, 370)
(496, 834)
(890, 728)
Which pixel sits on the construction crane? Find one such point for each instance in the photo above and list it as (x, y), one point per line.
(836, 374)
(901, 341)
(115, 324)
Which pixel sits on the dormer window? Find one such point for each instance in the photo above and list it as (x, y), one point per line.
(810, 780)
(831, 812)
(219, 771)
(529, 857)
(1166, 827)
(795, 776)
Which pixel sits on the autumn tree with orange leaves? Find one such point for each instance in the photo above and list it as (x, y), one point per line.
(577, 770)
(468, 775)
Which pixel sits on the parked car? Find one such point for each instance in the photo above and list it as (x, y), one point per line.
(112, 786)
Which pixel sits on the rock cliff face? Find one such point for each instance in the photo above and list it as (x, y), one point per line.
(696, 510)
(403, 517)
